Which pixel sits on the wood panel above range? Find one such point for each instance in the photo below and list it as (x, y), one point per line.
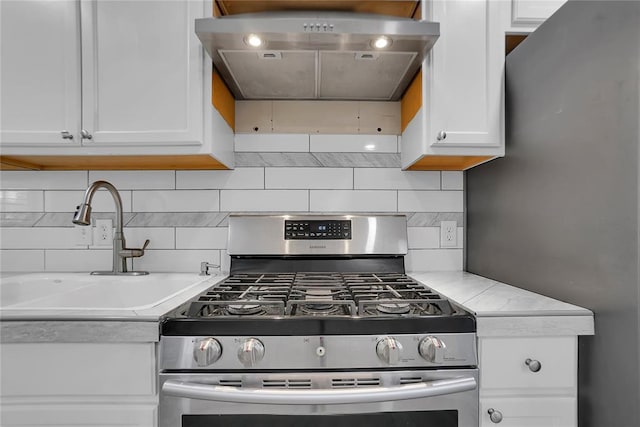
(400, 8)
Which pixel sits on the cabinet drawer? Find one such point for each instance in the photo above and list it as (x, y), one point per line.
(77, 369)
(530, 412)
(502, 364)
(78, 414)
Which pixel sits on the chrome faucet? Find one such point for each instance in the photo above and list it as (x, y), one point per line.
(120, 251)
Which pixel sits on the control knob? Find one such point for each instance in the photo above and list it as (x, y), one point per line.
(207, 351)
(251, 352)
(432, 349)
(389, 350)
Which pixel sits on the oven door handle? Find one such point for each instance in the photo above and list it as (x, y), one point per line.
(191, 390)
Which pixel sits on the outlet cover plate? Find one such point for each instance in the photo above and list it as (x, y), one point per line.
(103, 232)
(448, 234)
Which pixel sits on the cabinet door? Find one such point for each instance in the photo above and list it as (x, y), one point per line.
(529, 412)
(526, 15)
(142, 72)
(40, 83)
(466, 74)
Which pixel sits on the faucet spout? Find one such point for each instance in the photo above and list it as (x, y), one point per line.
(83, 212)
(82, 216)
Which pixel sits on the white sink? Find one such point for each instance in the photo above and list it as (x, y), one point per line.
(81, 291)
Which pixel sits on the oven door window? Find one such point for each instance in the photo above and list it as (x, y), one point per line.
(443, 418)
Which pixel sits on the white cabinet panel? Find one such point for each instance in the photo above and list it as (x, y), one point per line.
(67, 369)
(530, 412)
(528, 14)
(142, 72)
(40, 71)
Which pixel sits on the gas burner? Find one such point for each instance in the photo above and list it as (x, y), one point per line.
(319, 309)
(244, 309)
(394, 307)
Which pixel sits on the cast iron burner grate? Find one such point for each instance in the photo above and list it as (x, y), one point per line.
(319, 294)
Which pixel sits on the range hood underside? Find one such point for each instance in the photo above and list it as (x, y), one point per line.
(317, 74)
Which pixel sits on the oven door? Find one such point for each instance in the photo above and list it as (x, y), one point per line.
(441, 398)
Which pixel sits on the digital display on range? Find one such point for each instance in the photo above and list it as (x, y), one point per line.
(317, 230)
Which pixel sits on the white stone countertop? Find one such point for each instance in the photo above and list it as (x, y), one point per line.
(76, 307)
(504, 310)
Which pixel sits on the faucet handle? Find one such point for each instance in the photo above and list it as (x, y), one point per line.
(205, 266)
(133, 252)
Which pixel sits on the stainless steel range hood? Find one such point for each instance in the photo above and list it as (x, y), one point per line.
(319, 55)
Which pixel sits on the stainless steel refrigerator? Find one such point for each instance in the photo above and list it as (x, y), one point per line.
(559, 214)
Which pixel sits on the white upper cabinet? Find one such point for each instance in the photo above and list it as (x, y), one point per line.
(106, 78)
(40, 72)
(141, 72)
(461, 113)
(466, 75)
(526, 15)
(140, 80)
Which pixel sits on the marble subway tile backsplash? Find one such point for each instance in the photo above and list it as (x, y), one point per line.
(21, 201)
(354, 143)
(185, 213)
(59, 201)
(309, 178)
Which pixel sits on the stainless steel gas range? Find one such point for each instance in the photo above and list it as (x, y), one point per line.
(318, 324)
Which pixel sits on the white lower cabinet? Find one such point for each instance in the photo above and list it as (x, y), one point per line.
(528, 382)
(78, 384)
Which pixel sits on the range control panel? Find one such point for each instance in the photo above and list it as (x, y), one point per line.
(317, 230)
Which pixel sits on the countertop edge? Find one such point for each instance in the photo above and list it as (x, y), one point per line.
(76, 331)
(532, 326)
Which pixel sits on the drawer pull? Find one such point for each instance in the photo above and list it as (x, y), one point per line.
(494, 416)
(534, 365)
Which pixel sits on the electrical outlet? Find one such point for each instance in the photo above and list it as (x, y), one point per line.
(448, 234)
(103, 232)
(83, 235)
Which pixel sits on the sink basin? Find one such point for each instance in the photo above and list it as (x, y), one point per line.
(80, 291)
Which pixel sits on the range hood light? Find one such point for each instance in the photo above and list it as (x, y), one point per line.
(381, 42)
(253, 40)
